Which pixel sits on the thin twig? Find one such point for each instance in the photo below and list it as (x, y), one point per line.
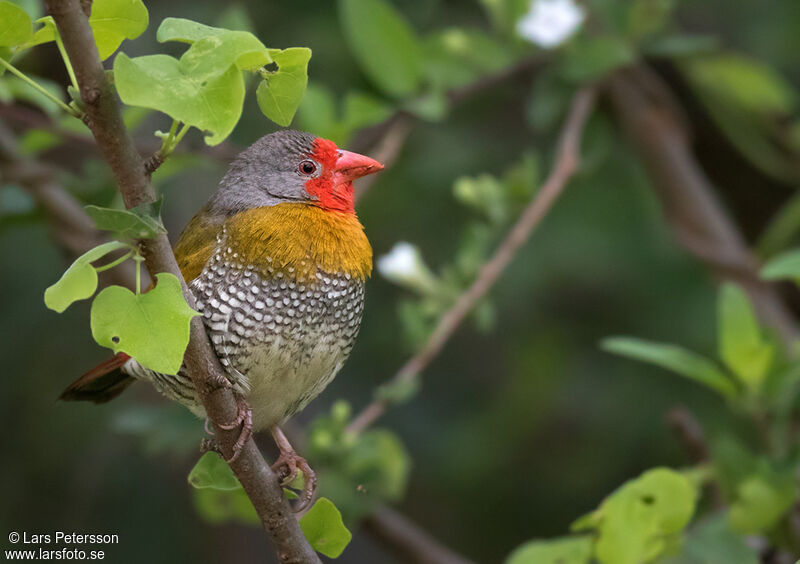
(566, 163)
(412, 544)
(387, 149)
(105, 119)
(688, 429)
(690, 432)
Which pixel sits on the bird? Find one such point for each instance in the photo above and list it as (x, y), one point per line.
(276, 261)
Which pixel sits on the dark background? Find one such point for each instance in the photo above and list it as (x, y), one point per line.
(516, 432)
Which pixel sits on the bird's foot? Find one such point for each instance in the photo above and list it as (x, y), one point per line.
(244, 418)
(287, 467)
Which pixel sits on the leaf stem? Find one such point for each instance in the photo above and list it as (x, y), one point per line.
(139, 259)
(66, 60)
(32, 83)
(114, 263)
(165, 142)
(184, 129)
(173, 138)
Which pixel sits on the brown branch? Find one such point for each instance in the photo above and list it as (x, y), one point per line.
(387, 148)
(688, 429)
(646, 112)
(105, 121)
(412, 544)
(566, 163)
(152, 164)
(690, 432)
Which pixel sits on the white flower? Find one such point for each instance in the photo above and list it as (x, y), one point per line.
(403, 265)
(550, 22)
(401, 262)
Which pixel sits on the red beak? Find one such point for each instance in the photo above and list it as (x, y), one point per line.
(350, 166)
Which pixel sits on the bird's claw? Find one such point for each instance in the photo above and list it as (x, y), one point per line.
(287, 466)
(244, 418)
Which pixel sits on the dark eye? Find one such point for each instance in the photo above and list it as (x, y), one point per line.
(307, 167)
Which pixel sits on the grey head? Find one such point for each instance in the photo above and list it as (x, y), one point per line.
(273, 170)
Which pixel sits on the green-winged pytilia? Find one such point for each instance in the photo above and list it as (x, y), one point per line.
(277, 262)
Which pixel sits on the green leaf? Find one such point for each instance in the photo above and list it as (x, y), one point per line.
(762, 500)
(485, 194)
(674, 46)
(398, 392)
(431, 106)
(566, 550)
(317, 113)
(674, 358)
(749, 83)
(5, 54)
(15, 25)
(35, 141)
(362, 110)
(213, 472)
(158, 82)
(114, 21)
(785, 265)
(279, 94)
(384, 44)
(741, 345)
(218, 506)
(713, 542)
(152, 327)
(646, 17)
(213, 50)
(379, 461)
(80, 279)
(751, 103)
(324, 529)
(218, 495)
(33, 8)
(781, 231)
(455, 57)
(587, 59)
(640, 520)
(137, 223)
(44, 34)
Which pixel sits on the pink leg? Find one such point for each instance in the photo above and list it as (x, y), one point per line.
(287, 465)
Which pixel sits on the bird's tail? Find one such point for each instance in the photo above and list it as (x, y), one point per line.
(102, 383)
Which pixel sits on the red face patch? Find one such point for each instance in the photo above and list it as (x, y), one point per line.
(330, 194)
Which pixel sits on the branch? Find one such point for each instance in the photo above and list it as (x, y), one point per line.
(388, 148)
(690, 432)
(412, 544)
(566, 163)
(646, 112)
(105, 121)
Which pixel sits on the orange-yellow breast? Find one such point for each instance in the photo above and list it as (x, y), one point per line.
(293, 238)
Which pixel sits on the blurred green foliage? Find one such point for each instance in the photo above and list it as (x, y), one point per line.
(517, 428)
